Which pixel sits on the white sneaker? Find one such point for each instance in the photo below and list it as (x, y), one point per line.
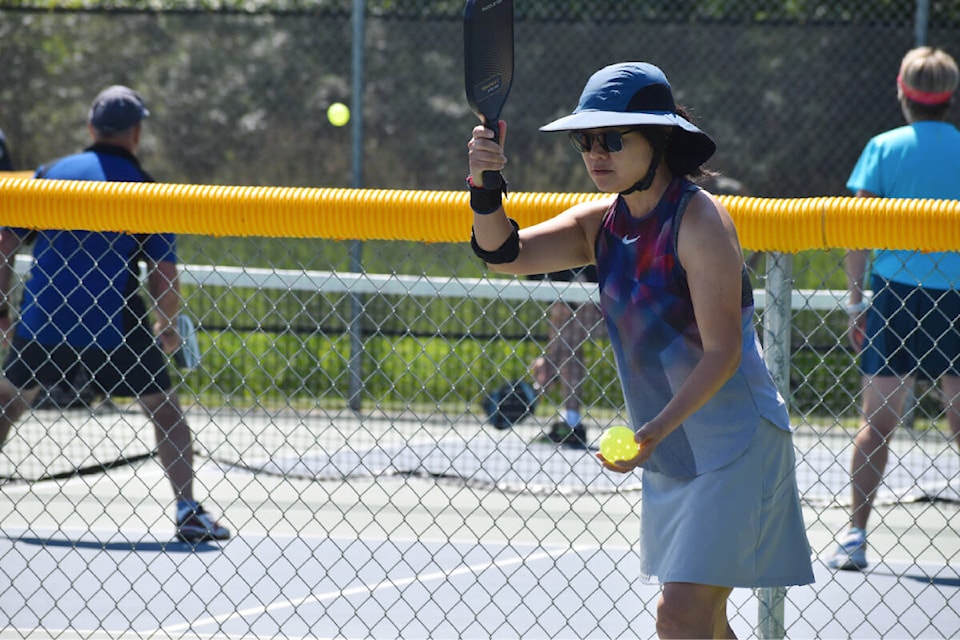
(851, 553)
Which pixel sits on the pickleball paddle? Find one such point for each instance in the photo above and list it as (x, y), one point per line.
(488, 64)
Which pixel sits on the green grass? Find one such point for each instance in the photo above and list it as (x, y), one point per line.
(437, 373)
(288, 369)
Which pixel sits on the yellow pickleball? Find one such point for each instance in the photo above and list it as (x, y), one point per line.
(617, 444)
(338, 114)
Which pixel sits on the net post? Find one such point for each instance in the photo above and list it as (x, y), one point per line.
(776, 353)
(770, 613)
(921, 23)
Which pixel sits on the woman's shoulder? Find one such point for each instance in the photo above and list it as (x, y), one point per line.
(705, 218)
(591, 213)
(593, 207)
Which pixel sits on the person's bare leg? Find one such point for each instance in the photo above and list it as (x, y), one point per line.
(546, 368)
(583, 324)
(883, 398)
(688, 610)
(543, 373)
(174, 440)
(573, 333)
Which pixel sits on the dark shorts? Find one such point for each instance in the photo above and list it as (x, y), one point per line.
(136, 368)
(911, 331)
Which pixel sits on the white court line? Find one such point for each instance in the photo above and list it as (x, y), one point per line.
(383, 584)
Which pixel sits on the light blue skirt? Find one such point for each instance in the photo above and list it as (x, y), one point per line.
(737, 526)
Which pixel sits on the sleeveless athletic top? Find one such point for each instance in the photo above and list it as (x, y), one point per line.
(656, 341)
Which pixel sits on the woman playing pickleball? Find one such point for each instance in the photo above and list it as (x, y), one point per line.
(720, 506)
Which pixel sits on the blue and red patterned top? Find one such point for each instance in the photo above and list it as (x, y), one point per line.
(656, 341)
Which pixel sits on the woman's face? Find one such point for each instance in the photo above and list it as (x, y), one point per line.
(611, 170)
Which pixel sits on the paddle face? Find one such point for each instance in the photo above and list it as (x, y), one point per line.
(488, 63)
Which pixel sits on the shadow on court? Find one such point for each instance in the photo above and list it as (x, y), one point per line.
(140, 546)
(941, 577)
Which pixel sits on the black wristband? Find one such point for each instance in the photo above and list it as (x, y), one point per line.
(507, 252)
(4, 312)
(485, 201)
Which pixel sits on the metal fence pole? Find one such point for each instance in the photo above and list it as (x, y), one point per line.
(921, 23)
(356, 247)
(776, 350)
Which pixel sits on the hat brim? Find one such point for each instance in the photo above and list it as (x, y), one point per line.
(600, 119)
(692, 144)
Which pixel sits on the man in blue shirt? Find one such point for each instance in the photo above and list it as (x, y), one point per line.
(81, 307)
(909, 330)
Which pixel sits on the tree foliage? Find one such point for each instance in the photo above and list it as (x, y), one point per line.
(798, 11)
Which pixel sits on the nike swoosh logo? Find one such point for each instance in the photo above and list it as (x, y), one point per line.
(630, 240)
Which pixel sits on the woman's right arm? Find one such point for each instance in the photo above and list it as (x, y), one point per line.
(562, 242)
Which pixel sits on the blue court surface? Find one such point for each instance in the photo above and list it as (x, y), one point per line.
(414, 555)
(69, 584)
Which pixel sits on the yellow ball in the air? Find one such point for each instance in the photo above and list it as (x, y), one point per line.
(338, 114)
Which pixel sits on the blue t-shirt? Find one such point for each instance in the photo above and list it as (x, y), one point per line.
(920, 160)
(81, 281)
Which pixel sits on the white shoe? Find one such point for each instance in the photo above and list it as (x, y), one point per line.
(851, 553)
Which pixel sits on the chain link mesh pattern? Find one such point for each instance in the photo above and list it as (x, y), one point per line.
(336, 409)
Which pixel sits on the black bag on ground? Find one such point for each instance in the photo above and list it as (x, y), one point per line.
(510, 403)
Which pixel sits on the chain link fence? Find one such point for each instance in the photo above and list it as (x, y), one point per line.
(337, 407)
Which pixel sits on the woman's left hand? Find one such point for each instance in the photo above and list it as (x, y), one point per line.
(647, 439)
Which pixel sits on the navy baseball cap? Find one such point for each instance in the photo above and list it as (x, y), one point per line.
(116, 109)
(633, 94)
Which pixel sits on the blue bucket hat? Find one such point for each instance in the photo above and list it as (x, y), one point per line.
(116, 109)
(633, 94)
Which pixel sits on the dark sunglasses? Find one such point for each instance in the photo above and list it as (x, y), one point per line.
(609, 141)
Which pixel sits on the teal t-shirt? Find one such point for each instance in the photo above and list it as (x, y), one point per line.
(920, 160)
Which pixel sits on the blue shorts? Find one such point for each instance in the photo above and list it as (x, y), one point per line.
(911, 331)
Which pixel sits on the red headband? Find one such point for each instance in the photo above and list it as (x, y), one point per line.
(923, 97)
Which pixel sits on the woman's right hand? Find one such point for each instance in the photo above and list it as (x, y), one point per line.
(484, 153)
